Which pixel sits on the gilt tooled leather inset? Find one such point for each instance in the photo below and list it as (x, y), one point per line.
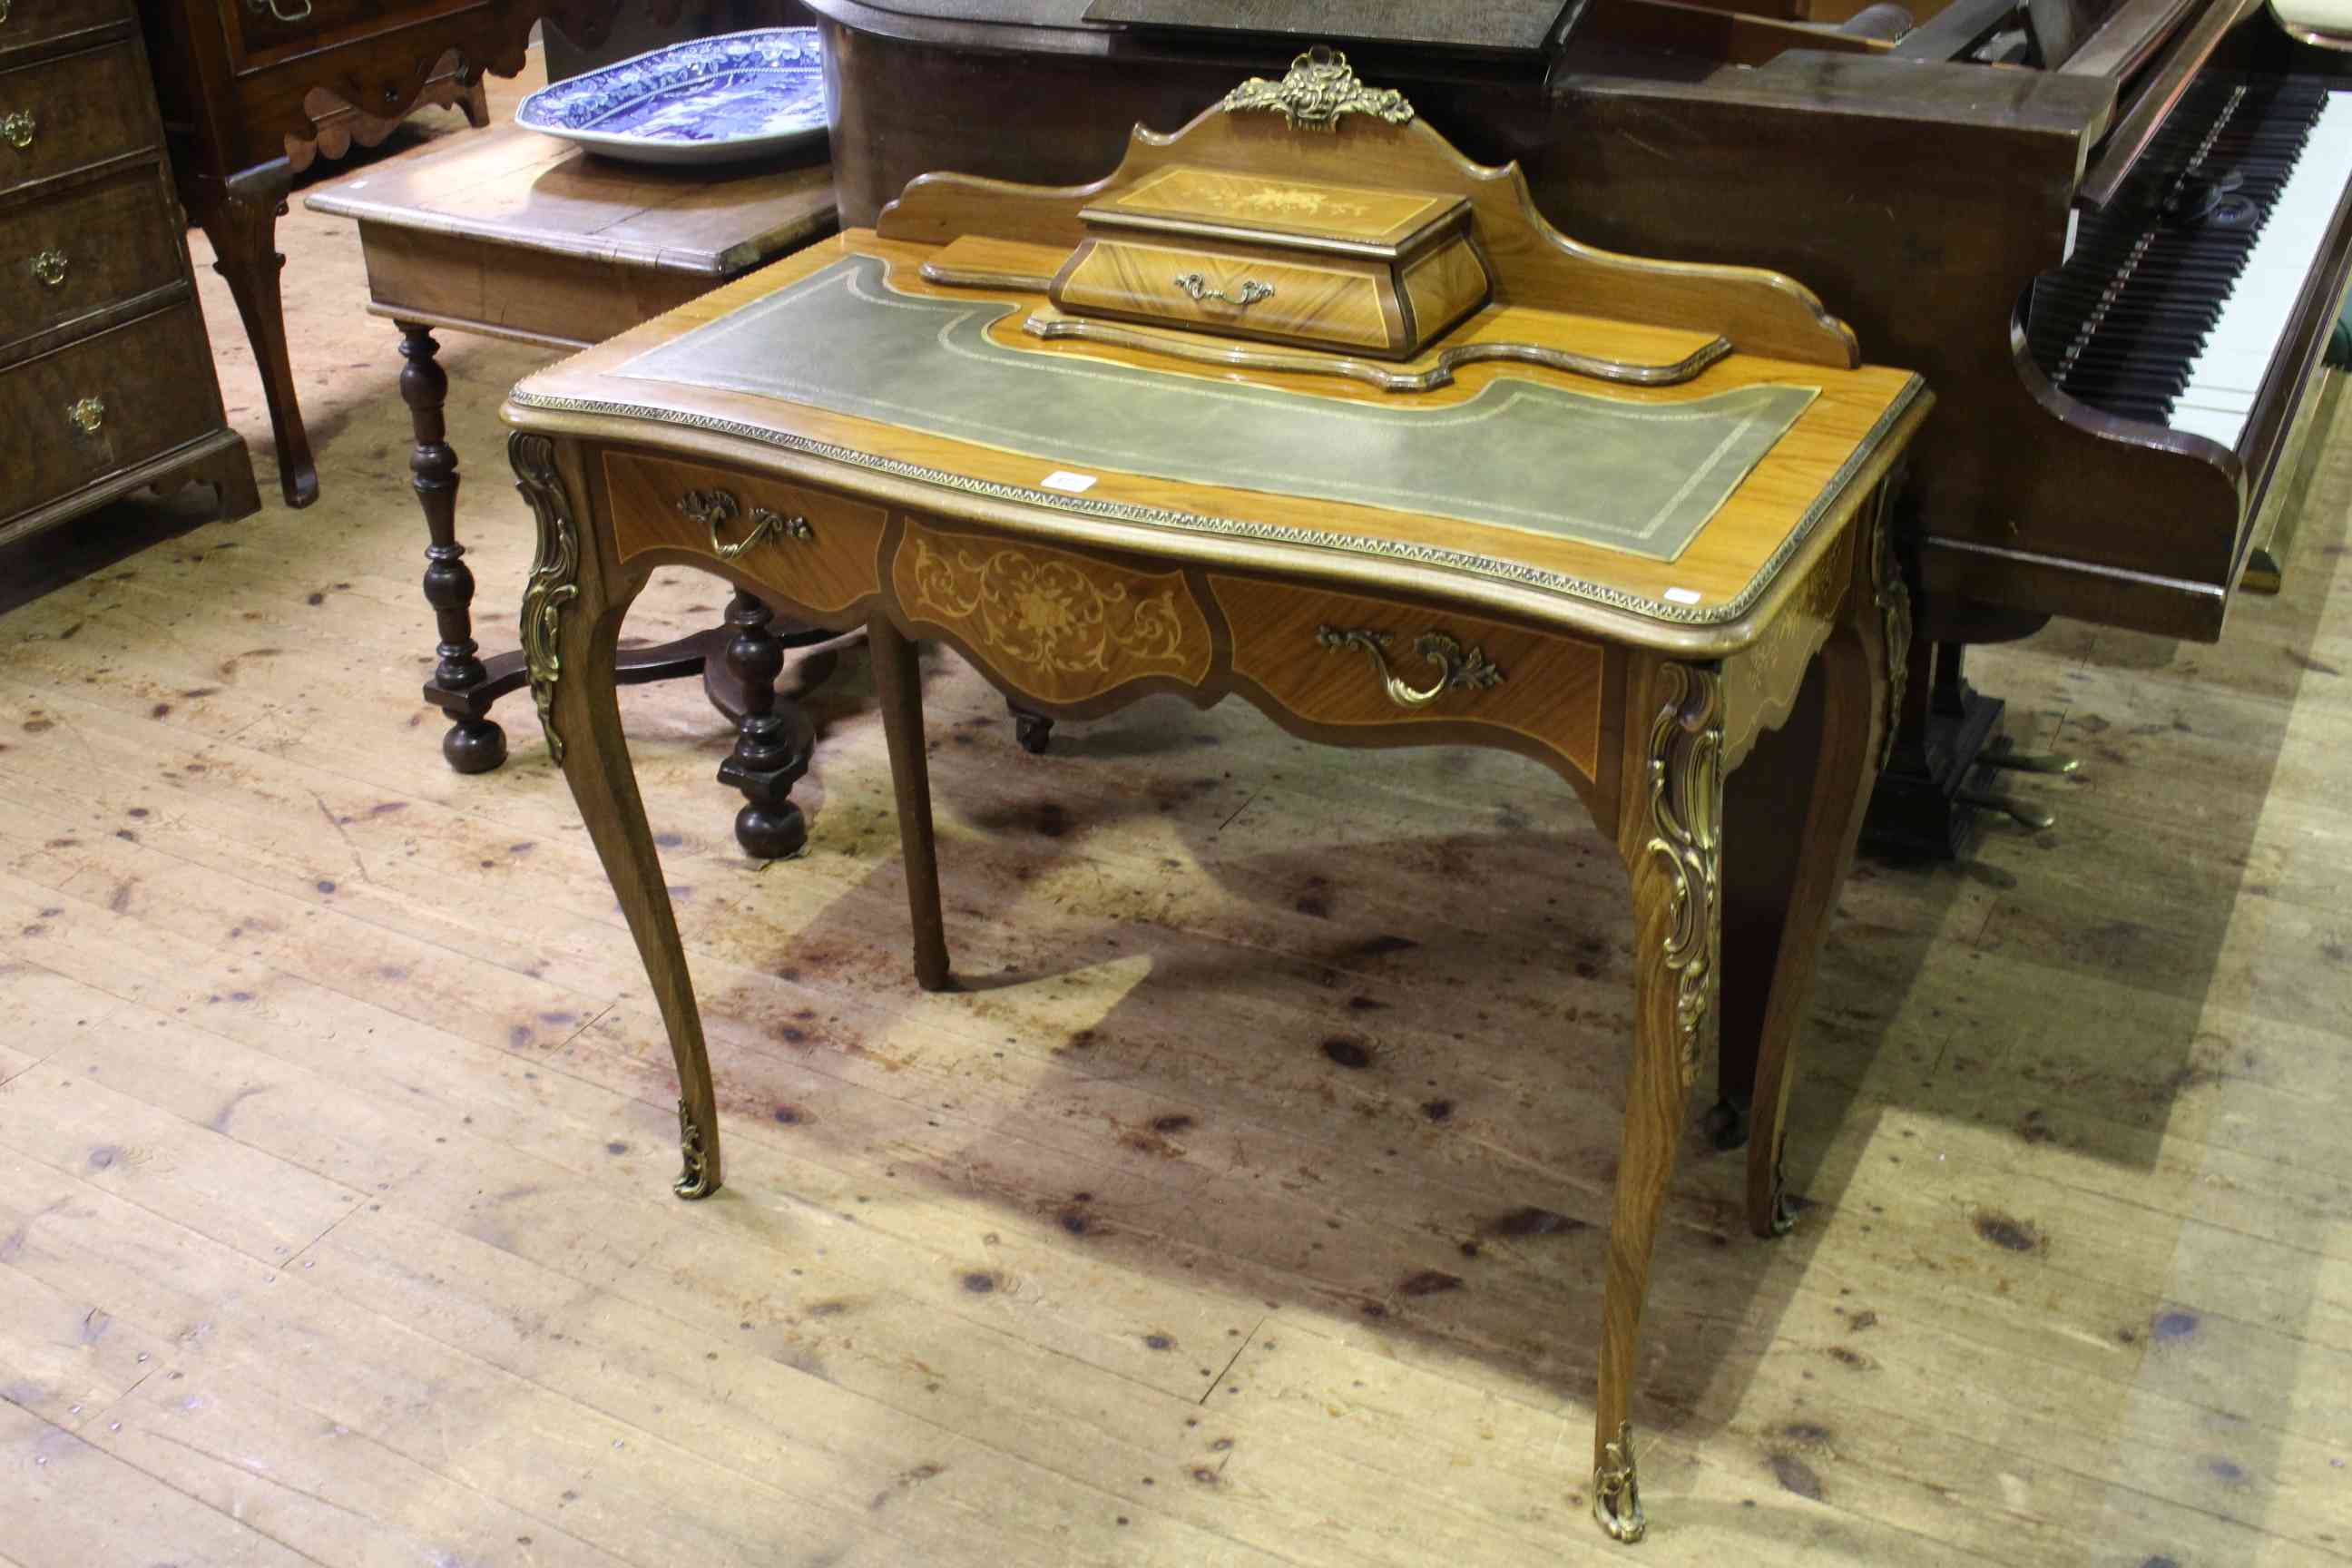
(1635, 476)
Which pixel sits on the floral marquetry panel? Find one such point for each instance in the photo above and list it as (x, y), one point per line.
(1059, 626)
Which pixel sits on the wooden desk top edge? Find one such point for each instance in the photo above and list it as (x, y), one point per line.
(577, 397)
(806, 212)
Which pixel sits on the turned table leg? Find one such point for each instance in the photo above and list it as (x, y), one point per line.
(774, 739)
(898, 682)
(243, 229)
(571, 627)
(460, 685)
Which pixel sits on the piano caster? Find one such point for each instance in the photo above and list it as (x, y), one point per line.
(2032, 818)
(2263, 575)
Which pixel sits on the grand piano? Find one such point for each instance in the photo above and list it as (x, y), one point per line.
(2113, 235)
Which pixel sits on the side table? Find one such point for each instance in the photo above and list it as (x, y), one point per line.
(519, 235)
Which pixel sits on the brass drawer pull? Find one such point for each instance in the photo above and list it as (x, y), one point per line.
(715, 508)
(17, 127)
(3, 10)
(87, 415)
(49, 267)
(1196, 288)
(1456, 670)
(283, 14)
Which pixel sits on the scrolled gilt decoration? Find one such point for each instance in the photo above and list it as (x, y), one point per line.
(1045, 614)
(1617, 1490)
(1316, 91)
(695, 1180)
(1685, 821)
(554, 579)
(1894, 599)
(1457, 669)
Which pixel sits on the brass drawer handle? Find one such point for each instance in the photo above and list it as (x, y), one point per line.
(3, 10)
(1251, 291)
(715, 508)
(273, 8)
(49, 267)
(17, 127)
(1457, 670)
(87, 415)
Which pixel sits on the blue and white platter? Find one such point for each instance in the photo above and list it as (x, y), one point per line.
(707, 101)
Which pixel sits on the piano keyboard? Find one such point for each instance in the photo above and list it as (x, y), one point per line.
(2170, 310)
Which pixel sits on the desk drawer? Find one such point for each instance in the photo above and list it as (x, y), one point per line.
(1352, 661)
(80, 252)
(27, 22)
(813, 549)
(262, 31)
(104, 403)
(1331, 304)
(62, 115)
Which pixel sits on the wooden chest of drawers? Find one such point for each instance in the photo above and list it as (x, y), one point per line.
(106, 373)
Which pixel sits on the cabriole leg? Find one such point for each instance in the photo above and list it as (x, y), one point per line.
(571, 627)
(244, 232)
(1672, 843)
(1816, 775)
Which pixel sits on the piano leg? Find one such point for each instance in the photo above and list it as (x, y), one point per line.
(1947, 745)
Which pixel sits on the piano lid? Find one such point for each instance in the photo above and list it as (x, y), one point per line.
(1524, 27)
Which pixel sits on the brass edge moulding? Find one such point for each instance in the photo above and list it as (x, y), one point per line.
(1316, 91)
(1469, 564)
(1617, 1490)
(694, 1178)
(554, 579)
(1685, 820)
(1457, 669)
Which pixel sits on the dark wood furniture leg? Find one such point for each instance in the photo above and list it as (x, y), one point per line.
(773, 752)
(899, 684)
(242, 226)
(460, 685)
(571, 624)
(774, 739)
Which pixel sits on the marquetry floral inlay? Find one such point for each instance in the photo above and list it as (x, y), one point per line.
(1048, 614)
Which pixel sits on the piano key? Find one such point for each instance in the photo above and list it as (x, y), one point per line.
(2228, 371)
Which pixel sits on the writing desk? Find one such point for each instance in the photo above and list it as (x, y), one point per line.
(1667, 577)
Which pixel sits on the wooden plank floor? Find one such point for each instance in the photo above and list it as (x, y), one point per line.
(1245, 1205)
